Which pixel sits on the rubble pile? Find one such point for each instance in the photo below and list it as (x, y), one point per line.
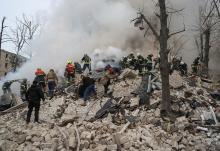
(120, 122)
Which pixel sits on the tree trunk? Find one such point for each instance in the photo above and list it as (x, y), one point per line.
(164, 65)
(207, 48)
(1, 35)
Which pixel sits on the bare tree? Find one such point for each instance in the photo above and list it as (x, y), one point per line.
(2, 39)
(19, 39)
(162, 37)
(216, 3)
(22, 35)
(31, 27)
(208, 25)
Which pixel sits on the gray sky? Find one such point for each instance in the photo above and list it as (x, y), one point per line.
(15, 8)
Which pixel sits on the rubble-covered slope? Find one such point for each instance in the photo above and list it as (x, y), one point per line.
(124, 125)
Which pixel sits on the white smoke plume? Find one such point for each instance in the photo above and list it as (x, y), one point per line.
(79, 27)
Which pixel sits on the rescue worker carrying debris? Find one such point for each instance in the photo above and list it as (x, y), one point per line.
(87, 88)
(34, 95)
(40, 78)
(70, 71)
(52, 81)
(86, 60)
(149, 62)
(195, 65)
(23, 89)
(6, 87)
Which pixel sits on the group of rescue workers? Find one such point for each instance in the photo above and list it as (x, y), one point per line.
(42, 82)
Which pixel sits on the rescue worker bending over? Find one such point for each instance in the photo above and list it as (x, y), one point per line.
(87, 88)
(40, 79)
(70, 71)
(86, 60)
(6, 87)
(52, 81)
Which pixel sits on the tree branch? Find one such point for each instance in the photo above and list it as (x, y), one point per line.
(150, 26)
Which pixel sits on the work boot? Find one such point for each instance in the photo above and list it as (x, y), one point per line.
(37, 122)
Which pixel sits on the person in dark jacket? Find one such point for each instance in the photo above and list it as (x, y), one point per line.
(87, 88)
(34, 95)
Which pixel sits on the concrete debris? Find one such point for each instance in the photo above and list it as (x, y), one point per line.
(128, 73)
(176, 81)
(120, 122)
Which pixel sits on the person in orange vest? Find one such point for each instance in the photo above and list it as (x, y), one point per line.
(40, 78)
(70, 71)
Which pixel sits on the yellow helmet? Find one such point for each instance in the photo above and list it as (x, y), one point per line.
(69, 61)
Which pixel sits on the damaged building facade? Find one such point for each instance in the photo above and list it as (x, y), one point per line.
(6, 64)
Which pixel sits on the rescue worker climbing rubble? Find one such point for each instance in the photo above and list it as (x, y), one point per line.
(70, 71)
(52, 81)
(40, 78)
(86, 60)
(87, 88)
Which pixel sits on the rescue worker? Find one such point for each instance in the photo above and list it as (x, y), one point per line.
(70, 71)
(23, 89)
(6, 87)
(40, 78)
(106, 80)
(78, 67)
(195, 65)
(52, 81)
(131, 61)
(87, 88)
(86, 60)
(156, 62)
(124, 62)
(175, 64)
(140, 64)
(34, 95)
(183, 68)
(149, 62)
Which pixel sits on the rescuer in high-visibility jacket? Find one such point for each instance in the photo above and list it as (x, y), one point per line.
(41, 78)
(70, 71)
(86, 60)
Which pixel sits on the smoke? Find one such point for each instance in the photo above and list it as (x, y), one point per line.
(78, 27)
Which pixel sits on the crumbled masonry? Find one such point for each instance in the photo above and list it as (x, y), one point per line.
(124, 123)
